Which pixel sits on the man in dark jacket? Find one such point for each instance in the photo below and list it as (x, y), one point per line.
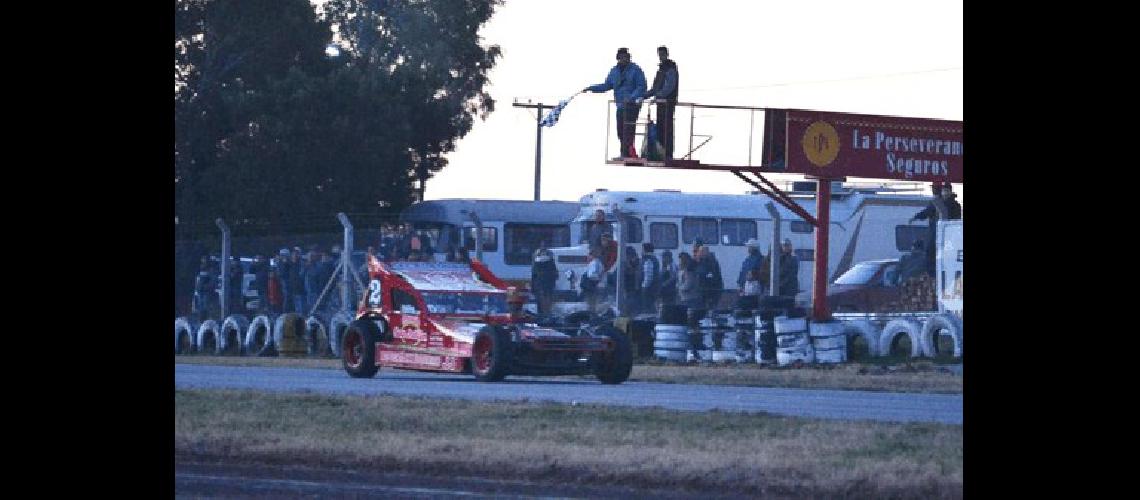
(944, 197)
(295, 278)
(712, 283)
(789, 271)
(665, 88)
(543, 277)
(260, 271)
(650, 278)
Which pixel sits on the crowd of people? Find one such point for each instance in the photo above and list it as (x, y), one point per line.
(294, 279)
(649, 280)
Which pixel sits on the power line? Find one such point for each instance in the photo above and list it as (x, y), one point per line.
(809, 82)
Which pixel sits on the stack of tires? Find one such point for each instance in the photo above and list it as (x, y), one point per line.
(671, 335)
(745, 328)
(289, 336)
(829, 342)
(724, 337)
(764, 337)
(708, 330)
(792, 344)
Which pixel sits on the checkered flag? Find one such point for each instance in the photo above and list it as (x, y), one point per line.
(552, 117)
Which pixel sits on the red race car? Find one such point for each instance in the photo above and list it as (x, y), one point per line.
(454, 317)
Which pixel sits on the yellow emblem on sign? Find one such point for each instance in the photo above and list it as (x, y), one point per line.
(821, 143)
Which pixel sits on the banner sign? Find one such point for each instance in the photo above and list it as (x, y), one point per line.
(824, 144)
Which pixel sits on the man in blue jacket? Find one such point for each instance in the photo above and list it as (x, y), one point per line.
(628, 83)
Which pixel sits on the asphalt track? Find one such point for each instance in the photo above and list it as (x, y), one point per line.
(815, 403)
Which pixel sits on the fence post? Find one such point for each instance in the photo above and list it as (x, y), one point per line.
(346, 263)
(225, 265)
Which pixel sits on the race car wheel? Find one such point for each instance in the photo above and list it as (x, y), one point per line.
(358, 349)
(490, 355)
(614, 367)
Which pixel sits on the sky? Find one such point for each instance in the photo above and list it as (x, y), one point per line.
(901, 58)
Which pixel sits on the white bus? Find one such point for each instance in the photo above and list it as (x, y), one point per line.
(867, 223)
(512, 230)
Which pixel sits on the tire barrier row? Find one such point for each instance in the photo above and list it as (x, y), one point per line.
(288, 335)
(765, 338)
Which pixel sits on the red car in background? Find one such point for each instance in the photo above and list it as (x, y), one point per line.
(454, 317)
(866, 287)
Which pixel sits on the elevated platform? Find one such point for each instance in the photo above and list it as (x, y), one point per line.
(684, 164)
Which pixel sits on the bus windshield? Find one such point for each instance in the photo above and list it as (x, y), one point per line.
(465, 303)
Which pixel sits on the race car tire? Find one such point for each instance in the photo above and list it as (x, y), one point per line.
(491, 354)
(289, 335)
(615, 367)
(259, 336)
(337, 326)
(896, 327)
(184, 335)
(317, 338)
(865, 329)
(230, 338)
(359, 349)
(941, 322)
(208, 337)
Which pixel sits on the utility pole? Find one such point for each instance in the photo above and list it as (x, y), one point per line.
(537, 144)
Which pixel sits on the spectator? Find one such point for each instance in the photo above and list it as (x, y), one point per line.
(749, 279)
(313, 283)
(628, 83)
(235, 299)
(599, 227)
(608, 250)
(592, 280)
(295, 279)
(789, 271)
(668, 279)
(913, 264)
(326, 269)
(284, 264)
(204, 287)
(631, 280)
(943, 197)
(274, 293)
(387, 244)
(953, 208)
(260, 271)
(543, 277)
(712, 283)
(650, 278)
(665, 89)
(689, 293)
(402, 243)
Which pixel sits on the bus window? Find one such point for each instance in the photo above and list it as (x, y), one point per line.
(632, 230)
(490, 239)
(663, 235)
(799, 226)
(694, 227)
(442, 235)
(735, 232)
(521, 240)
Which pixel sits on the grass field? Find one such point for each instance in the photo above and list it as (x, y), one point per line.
(751, 454)
(920, 376)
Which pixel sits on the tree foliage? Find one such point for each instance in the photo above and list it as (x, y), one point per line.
(269, 127)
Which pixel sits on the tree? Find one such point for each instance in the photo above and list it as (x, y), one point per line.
(267, 127)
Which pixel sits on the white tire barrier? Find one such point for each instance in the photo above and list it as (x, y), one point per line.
(783, 324)
(764, 341)
(794, 355)
(317, 336)
(185, 336)
(941, 324)
(230, 339)
(792, 340)
(259, 336)
(829, 342)
(897, 327)
(208, 337)
(867, 331)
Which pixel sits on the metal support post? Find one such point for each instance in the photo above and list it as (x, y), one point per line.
(346, 263)
(225, 266)
(820, 311)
